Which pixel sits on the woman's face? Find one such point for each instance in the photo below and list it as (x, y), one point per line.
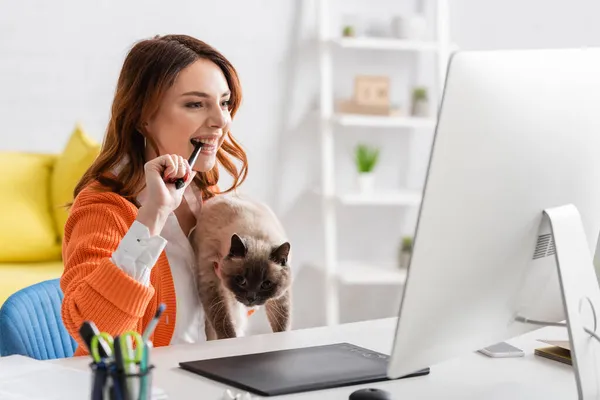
(195, 107)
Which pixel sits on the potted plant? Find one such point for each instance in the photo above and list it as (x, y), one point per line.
(348, 31)
(405, 251)
(420, 102)
(366, 158)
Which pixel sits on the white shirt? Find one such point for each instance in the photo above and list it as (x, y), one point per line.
(137, 253)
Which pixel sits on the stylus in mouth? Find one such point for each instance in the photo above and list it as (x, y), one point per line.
(179, 183)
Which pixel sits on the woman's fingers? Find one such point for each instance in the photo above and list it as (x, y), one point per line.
(171, 167)
(182, 169)
(175, 168)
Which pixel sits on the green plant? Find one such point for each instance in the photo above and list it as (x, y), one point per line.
(366, 158)
(407, 243)
(419, 93)
(348, 31)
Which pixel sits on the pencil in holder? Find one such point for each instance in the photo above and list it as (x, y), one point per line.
(100, 380)
(131, 385)
(111, 383)
(123, 371)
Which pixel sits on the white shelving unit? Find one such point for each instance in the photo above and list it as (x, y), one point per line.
(397, 198)
(382, 122)
(387, 198)
(357, 273)
(384, 44)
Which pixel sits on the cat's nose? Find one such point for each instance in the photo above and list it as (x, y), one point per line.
(251, 297)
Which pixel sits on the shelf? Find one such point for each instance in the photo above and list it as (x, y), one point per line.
(391, 198)
(383, 122)
(400, 198)
(340, 114)
(358, 273)
(385, 44)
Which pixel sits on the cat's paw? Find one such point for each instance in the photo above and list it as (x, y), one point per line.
(226, 335)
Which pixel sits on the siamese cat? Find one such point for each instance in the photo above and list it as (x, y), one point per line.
(243, 263)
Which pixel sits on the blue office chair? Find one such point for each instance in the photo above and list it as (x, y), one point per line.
(31, 324)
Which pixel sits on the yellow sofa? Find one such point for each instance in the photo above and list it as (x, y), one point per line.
(34, 188)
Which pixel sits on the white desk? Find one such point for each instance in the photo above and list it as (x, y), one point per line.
(473, 376)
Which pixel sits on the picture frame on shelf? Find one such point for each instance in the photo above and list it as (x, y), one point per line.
(372, 90)
(371, 96)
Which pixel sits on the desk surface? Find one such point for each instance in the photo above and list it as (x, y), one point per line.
(473, 376)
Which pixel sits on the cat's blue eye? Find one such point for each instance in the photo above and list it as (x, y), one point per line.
(240, 280)
(266, 284)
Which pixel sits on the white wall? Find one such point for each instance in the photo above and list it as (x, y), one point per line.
(59, 62)
(490, 24)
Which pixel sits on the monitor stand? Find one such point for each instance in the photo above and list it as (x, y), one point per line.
(580, 295)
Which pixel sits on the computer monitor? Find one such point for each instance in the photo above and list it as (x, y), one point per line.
(517, 143)
(518, 133)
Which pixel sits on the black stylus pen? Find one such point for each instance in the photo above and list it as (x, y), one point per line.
(87, 331)
(197, 147)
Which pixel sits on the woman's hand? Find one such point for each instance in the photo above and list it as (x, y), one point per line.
(162, 197)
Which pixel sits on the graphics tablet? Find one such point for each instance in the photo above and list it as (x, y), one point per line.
(297, 370)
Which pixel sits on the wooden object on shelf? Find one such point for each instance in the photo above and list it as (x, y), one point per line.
(351, 107)
(372, 91)
(371, 97)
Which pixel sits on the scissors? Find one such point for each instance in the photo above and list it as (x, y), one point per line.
(129, 358)
(95, 342)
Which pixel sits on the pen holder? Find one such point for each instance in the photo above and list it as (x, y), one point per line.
(110, 383)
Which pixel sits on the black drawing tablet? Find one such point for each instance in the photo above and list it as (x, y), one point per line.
(297, 370)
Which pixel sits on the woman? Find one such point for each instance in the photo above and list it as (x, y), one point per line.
(126, 247)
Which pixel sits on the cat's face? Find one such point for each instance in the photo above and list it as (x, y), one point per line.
(255, 272)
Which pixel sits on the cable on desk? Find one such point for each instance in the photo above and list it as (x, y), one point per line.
(562, 324)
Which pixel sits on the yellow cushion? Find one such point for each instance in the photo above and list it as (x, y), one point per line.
(27, 230)
(14, 277)
(76, 158)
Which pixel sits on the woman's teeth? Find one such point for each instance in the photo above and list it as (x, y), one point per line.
(209, 146)
(208, 142)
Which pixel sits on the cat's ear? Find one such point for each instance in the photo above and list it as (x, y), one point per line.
(238, 248)
(281, 253)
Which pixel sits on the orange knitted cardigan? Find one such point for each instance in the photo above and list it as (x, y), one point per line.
(94, 288)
